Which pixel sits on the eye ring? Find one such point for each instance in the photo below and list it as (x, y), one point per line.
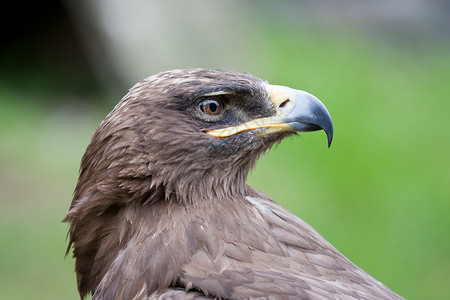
(212, 108)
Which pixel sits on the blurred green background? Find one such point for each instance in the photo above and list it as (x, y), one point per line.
(380, 194)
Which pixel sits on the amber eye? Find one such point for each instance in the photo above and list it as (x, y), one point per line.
(213, 108)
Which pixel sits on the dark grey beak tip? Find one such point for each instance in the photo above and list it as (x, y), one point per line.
(322, 119)
(323, 122)
(329, 133)
(312, 115)
(326, 125)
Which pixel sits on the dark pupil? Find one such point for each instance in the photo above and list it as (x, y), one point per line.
(212, 106)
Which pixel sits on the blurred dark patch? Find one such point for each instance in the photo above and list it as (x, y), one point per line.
(41, 54)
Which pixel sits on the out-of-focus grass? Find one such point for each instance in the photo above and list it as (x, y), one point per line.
(40, 151)
(380, 194)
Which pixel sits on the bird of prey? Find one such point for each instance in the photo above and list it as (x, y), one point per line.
(162, 209)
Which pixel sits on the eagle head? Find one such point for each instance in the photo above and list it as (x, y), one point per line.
(193, 133)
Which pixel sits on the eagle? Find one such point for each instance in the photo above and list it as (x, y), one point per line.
(162, 209)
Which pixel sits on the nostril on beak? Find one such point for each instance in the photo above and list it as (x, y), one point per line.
(286, 106)
(284, 103)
